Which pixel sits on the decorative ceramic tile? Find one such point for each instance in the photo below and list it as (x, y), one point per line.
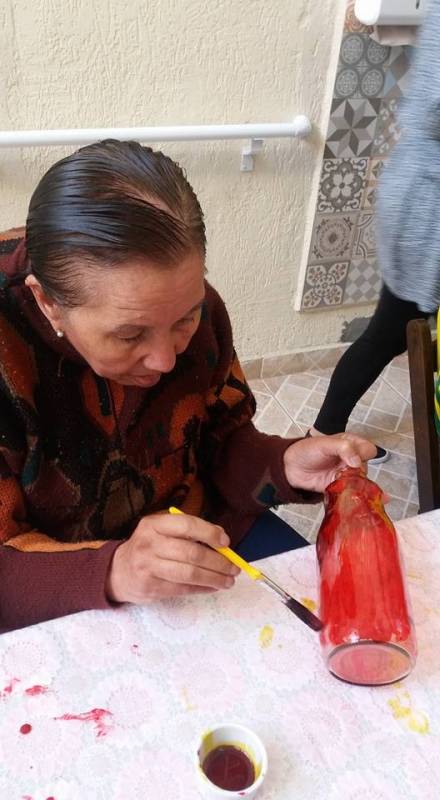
(397, 73)
(347, 82)
(376, 54)
(353, 48)
(372, 82)
(375, 168)
(364, 243)
(352, 128)
(357, 49)
(342, 184)
(363, 282)
(359, 82)
(324, 284)
(352, 24)
(387, 130)
(332, 237)
(361, 72)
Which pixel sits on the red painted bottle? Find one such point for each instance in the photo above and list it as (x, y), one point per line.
(368, 637)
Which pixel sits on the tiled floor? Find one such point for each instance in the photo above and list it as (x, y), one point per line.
(288, 405)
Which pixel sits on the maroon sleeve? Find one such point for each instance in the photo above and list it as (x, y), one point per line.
(249, 471)
(37, 586)
(244, 466)
(41, 577)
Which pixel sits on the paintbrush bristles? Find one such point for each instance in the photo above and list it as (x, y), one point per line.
(304, 614)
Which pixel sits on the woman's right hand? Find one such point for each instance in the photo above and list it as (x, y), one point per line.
(169, 556)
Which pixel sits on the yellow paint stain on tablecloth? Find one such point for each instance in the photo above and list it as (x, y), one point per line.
(401, 708)
(266, 636)
(188, 706)
(308, 603)
(414, 576)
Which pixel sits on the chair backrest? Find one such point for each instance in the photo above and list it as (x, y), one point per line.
(422, 360)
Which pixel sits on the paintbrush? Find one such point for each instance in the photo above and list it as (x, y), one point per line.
(301, 611)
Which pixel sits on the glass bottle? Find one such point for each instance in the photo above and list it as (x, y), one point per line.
(368, 636)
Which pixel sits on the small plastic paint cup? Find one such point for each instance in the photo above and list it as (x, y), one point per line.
(241, 738)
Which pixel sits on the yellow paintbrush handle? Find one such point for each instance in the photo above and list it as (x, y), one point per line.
(253, 573)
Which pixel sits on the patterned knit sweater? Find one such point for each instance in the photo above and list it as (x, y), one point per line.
(83, 459)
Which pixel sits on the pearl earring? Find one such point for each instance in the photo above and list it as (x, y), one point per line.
(60, 334)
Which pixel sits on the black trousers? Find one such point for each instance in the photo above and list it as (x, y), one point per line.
(362, 363)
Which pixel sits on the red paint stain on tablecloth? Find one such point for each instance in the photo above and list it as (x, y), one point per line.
(96, 715)
(29, 797)
(26, 728)
(9, 688)
(33, 691)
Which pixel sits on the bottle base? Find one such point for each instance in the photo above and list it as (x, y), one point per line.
(369, 663)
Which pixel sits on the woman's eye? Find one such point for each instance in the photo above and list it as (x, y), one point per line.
(131, 338)
(186, 321)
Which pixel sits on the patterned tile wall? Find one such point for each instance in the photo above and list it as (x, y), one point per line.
(370, 80)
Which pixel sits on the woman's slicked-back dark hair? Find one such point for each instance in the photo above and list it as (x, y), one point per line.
(104, 204)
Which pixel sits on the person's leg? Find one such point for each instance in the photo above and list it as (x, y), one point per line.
(362, 363)
(269, 536)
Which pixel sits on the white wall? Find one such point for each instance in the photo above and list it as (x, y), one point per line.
(84, 63)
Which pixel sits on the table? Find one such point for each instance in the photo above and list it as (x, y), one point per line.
(163, 674)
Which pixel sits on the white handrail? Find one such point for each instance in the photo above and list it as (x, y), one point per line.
(299, 127)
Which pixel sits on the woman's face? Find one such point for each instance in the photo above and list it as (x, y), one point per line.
(138, 319)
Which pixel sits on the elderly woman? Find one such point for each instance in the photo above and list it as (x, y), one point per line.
(121, 394)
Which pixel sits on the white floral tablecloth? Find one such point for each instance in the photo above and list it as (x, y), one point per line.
(161, 675)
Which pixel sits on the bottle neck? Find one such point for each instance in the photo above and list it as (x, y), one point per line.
(353, 493)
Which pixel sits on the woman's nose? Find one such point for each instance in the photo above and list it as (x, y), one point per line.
(162, 356)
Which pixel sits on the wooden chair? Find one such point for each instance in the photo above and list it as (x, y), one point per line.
(422, 360)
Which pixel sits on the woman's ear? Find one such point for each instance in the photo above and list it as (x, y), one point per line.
(46, 304)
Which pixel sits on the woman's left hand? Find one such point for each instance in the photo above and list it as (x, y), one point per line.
(312, 463)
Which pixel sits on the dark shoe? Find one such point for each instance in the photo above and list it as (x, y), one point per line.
(381, 456)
